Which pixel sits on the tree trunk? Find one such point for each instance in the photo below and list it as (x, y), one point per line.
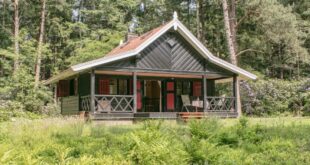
(200, 13)
(39, 50)
(282, 72)
(231, 41)
(3, 15)
(16, 34)
(229, 35)
(298, 67)
(233, 24)
(188, 13)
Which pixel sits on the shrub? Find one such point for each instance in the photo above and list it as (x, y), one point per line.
(152, 146)
(71, 141)
(271, 97)
(203, 129)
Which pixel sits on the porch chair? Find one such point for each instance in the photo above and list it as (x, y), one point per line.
(186, 102)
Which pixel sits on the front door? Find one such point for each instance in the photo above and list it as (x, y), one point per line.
(152, 96)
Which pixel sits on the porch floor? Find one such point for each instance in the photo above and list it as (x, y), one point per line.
(160, 115)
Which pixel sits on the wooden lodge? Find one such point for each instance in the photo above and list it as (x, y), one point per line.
(164, 73)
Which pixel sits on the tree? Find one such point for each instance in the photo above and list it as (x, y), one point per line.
(200, 20)
(40, 43)
(16, 35)
(232, 44)
(229, 29)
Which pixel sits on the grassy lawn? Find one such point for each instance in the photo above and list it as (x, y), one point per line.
(271, 122)
(212, 141)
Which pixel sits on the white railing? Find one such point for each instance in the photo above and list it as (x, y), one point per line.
(85, 103)
(114, 103)
(215, 104)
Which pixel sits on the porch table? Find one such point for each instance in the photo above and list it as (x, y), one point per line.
(197, 104)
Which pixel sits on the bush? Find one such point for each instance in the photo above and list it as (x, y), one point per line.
(19, 98)
(272, 97)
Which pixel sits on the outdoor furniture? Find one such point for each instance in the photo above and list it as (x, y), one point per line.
(186, 102)
(197, 104)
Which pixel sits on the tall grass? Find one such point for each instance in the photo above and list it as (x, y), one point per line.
(209, 141)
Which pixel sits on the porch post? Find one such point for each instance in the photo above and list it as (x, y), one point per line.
(204, 93)
(134, 92)
(92, 91)
(235, 87)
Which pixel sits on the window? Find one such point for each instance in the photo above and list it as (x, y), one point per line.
(63, 88)
(183, 88)
(186, 88)
(179, 88)
(72, 87)
(113, 86)
(122, 87)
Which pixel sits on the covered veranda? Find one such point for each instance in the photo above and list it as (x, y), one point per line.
(123, 94)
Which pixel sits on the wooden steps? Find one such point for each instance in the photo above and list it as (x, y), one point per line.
(185, 116)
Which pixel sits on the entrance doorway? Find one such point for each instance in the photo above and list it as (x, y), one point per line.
(152, 96)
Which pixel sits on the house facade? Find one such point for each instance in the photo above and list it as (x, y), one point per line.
(160, 74)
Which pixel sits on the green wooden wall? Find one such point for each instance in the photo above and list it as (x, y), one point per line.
(70, 105)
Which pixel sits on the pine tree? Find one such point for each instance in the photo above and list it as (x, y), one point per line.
(40, 43)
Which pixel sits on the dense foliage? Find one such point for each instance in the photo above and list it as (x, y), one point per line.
(276, 97)
(253, 141)
(272, 36)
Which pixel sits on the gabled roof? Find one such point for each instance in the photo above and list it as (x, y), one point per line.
(136, 45)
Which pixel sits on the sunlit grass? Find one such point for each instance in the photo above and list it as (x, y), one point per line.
(217, 141)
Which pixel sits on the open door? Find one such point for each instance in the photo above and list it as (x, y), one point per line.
(170, 95)
(151, 97)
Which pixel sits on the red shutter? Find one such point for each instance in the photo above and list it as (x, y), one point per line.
(104, 86)
(63, 88)
(59, 92)
(170, 86)
(67, 88)
(139, 95)
(197, 88)
(170, 95)
(170, 101)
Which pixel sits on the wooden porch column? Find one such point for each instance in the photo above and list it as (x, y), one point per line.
(235, 87)
(92, 91)
(204, 77)
(134, 83)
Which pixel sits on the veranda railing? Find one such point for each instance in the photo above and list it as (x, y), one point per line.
(124, 103)
(109, 103)
(217, 104)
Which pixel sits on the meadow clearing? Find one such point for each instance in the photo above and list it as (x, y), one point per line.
(208, 141)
